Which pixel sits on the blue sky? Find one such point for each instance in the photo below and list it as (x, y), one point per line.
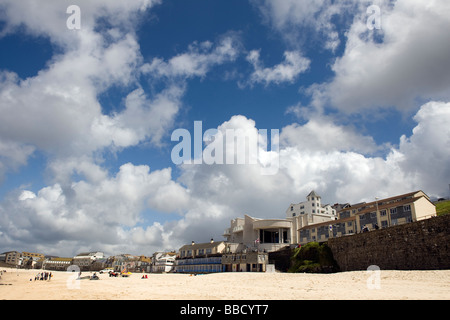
(87, 114)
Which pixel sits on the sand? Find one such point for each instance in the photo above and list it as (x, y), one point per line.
(356, 285)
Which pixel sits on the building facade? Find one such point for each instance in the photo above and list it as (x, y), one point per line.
(57, 264)
(200, 257)
(381, 213)
(247, 261)
(311, 211)
(13, 258)
(163, 262)
(270, 235)
(262, 234)
(85, 260)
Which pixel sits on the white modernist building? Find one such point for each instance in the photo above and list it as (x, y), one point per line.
(273, 234)
(262, 234)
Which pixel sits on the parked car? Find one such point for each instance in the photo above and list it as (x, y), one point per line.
(105, 270)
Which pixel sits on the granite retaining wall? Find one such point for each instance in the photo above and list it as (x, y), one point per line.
(421, 245)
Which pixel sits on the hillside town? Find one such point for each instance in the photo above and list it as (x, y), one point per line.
(248, 240)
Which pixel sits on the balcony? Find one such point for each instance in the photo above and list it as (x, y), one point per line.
(238, 229)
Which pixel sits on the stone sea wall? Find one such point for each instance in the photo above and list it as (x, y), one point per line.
(421, 245)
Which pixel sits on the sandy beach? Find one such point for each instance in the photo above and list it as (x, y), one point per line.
(356, 285)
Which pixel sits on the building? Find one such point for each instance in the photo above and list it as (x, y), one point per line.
(311, 211)
(57, 264)
(413, 206)
(163, 262)
(13, 258)
(85, 260)
(381, 213)
(270, 235)
(262, 234)
(38, 256)
(123, 262)
(200, 257)
(247, 260)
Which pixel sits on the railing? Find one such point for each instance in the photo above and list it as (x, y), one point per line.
(238, 228)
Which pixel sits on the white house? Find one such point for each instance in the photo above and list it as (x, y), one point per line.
(163, 262)
(86, 259)
(311, 211)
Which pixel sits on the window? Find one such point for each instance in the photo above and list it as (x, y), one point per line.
(382, 213)
(407, 208)
(384, 224)
(292, 208)
(313, 204)
(393, 210)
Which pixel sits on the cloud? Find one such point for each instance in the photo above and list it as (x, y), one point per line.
(293, 65)
(424, 155)
(87, 207)
(13, 155)
(106, 212)
(197, 61)
(49, 18)
(86, 213)
(309, 20)
(400, 65)
(320, 133)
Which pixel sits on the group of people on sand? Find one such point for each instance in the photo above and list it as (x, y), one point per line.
(43, 276)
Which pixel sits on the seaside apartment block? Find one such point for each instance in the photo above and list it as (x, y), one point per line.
(381, 213)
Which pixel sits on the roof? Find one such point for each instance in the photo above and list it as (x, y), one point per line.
(382, 202)
(59, 259)
(388, 205)
(313, 194)
(205, 245)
